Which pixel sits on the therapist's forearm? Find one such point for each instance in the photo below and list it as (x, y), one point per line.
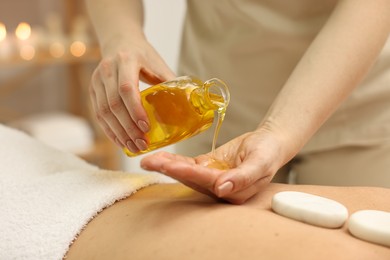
(334, 64)
(116, 21)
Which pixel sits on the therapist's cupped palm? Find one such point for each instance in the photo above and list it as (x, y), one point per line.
(253, 157)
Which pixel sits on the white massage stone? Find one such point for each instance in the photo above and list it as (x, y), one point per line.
(371, 225)
(309, 208)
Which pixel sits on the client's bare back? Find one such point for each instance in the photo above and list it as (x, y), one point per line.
(171, 221)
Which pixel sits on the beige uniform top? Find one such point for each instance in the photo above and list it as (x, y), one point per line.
(253, 45)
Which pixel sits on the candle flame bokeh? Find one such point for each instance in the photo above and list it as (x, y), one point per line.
(23, 31)
(78, 48)
(3, 32)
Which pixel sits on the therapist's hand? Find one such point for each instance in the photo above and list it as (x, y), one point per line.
(115, 94)
(254, 158)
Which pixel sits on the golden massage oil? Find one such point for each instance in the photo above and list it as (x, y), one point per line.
(182, 108)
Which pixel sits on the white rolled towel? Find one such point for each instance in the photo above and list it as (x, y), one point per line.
(47, 196)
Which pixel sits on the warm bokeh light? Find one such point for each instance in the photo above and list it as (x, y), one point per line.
(78, 48)
(23, 31)
(27, 52)
(3, 32)
(57, 50)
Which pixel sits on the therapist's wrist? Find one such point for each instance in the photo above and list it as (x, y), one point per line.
(288, 145)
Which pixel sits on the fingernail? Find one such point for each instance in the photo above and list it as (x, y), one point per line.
(118, 143)
(224, 188)
(131, 146)
(143, 126)
(141, 144)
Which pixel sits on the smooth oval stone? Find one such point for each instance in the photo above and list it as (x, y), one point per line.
(309, 208)
(371, 225)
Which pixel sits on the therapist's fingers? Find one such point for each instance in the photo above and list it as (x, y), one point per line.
(184, 169)
(128, 90)
(241, 196)
(100, 106)
(117, 99)
(258, 156)
(193, 174)
(128, 95)
(106, 129)
(133, 67)
(234, 185)
(241, 183)
(150, 69)
(108, 103)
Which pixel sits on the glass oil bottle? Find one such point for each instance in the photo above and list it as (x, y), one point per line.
(182, 108)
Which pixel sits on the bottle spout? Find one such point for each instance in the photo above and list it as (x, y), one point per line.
(217, 92)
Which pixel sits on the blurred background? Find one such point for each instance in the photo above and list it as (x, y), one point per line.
(48, 51)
